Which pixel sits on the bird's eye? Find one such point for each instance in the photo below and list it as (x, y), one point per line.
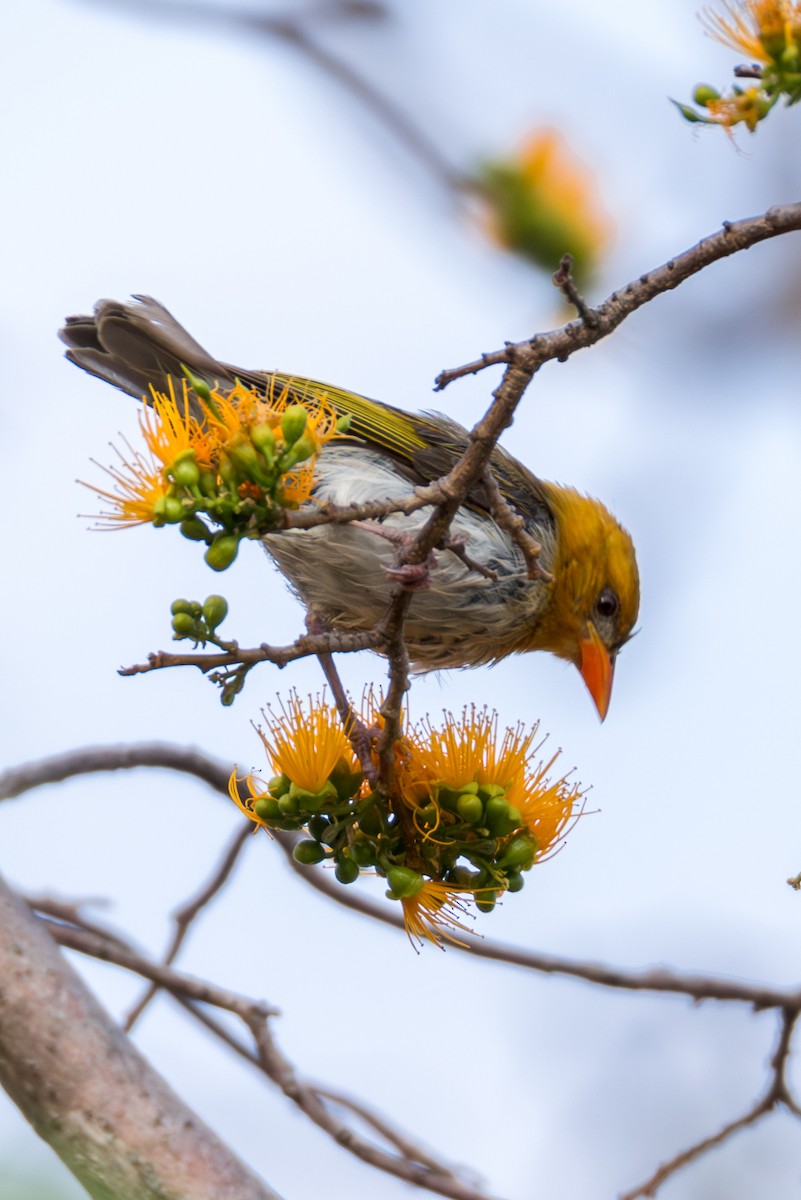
(607, 603)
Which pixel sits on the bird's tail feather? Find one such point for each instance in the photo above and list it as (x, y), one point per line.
(135, 345)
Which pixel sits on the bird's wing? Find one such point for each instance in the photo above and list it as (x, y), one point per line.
(134, 346)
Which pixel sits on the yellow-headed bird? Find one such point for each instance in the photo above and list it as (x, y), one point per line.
(462, 616)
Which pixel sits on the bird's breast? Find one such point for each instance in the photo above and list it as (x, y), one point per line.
(463, 615)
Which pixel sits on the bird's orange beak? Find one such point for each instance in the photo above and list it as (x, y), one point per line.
(597, 669)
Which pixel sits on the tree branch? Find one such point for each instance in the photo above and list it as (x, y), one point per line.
(88, 1092)
(598, 323)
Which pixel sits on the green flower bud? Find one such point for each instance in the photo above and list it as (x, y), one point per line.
(263, 439)
(500, 816)
(487, 790)
(215, 610)
(403, 881)
(346, 782)
(318, 827)
(228, 474)
(182, 606)
(208, 483)
(428, 815)
(370, 819)
(363, 853)
(222, 551)
(185, 471)
(485, 900)
(302, 449)
(470, 808)
(447, 797)
(519, 853)
(690, 114)
(293, 423)
(243, 453)
(346, 870)
(515, 882)
(197, 384)
(344, 423)
(313, 802)
(184, 625)
(168, 510)
(195, 529)
(267, 808)
(308, 852)
(278, 786)
(288, 804)
(703, 93)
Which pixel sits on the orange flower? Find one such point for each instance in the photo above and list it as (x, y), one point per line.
(306, 748)
(760, 28)
(468, 752)
(430, 915)
(138, 487)
(170, 429)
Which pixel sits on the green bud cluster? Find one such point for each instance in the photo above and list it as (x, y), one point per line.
(534, 224)
(779, 78)
(242, 494)
(471, 837)
(190, 619)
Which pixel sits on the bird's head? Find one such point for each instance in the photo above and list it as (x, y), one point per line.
(595, 593)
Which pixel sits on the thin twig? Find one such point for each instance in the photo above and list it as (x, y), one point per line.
(505, 516)
(303, 647)
(563, 279)
(186, 914)
(559, 344)
(775, 1094)
(308, 1099)
(109, 949)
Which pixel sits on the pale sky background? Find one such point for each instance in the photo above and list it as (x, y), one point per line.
(277, 220)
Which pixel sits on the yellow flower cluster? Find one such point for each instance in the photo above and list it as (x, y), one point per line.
(469, 812)
(542, 203)
(769, 33)
(222, 465)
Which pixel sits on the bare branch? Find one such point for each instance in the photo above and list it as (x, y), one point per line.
(776, 1094)
(563, 279)
(115, 1123)
(91, 759)
(655, 979)
(598, 323)
(303, 647)
(186, 914)
(309, 1100)
(411, 1166)
(177, 758)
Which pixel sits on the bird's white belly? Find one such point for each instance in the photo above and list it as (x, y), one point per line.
(340, 571)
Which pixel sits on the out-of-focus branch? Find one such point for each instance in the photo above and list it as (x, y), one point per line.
(409, 1164)
(777, 1094)
(88, 1092)
(596, 323)
(292, 28)
(89, 760)
(177, 758)
(188, 912)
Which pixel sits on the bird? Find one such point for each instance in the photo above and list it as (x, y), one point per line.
(478, 602)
